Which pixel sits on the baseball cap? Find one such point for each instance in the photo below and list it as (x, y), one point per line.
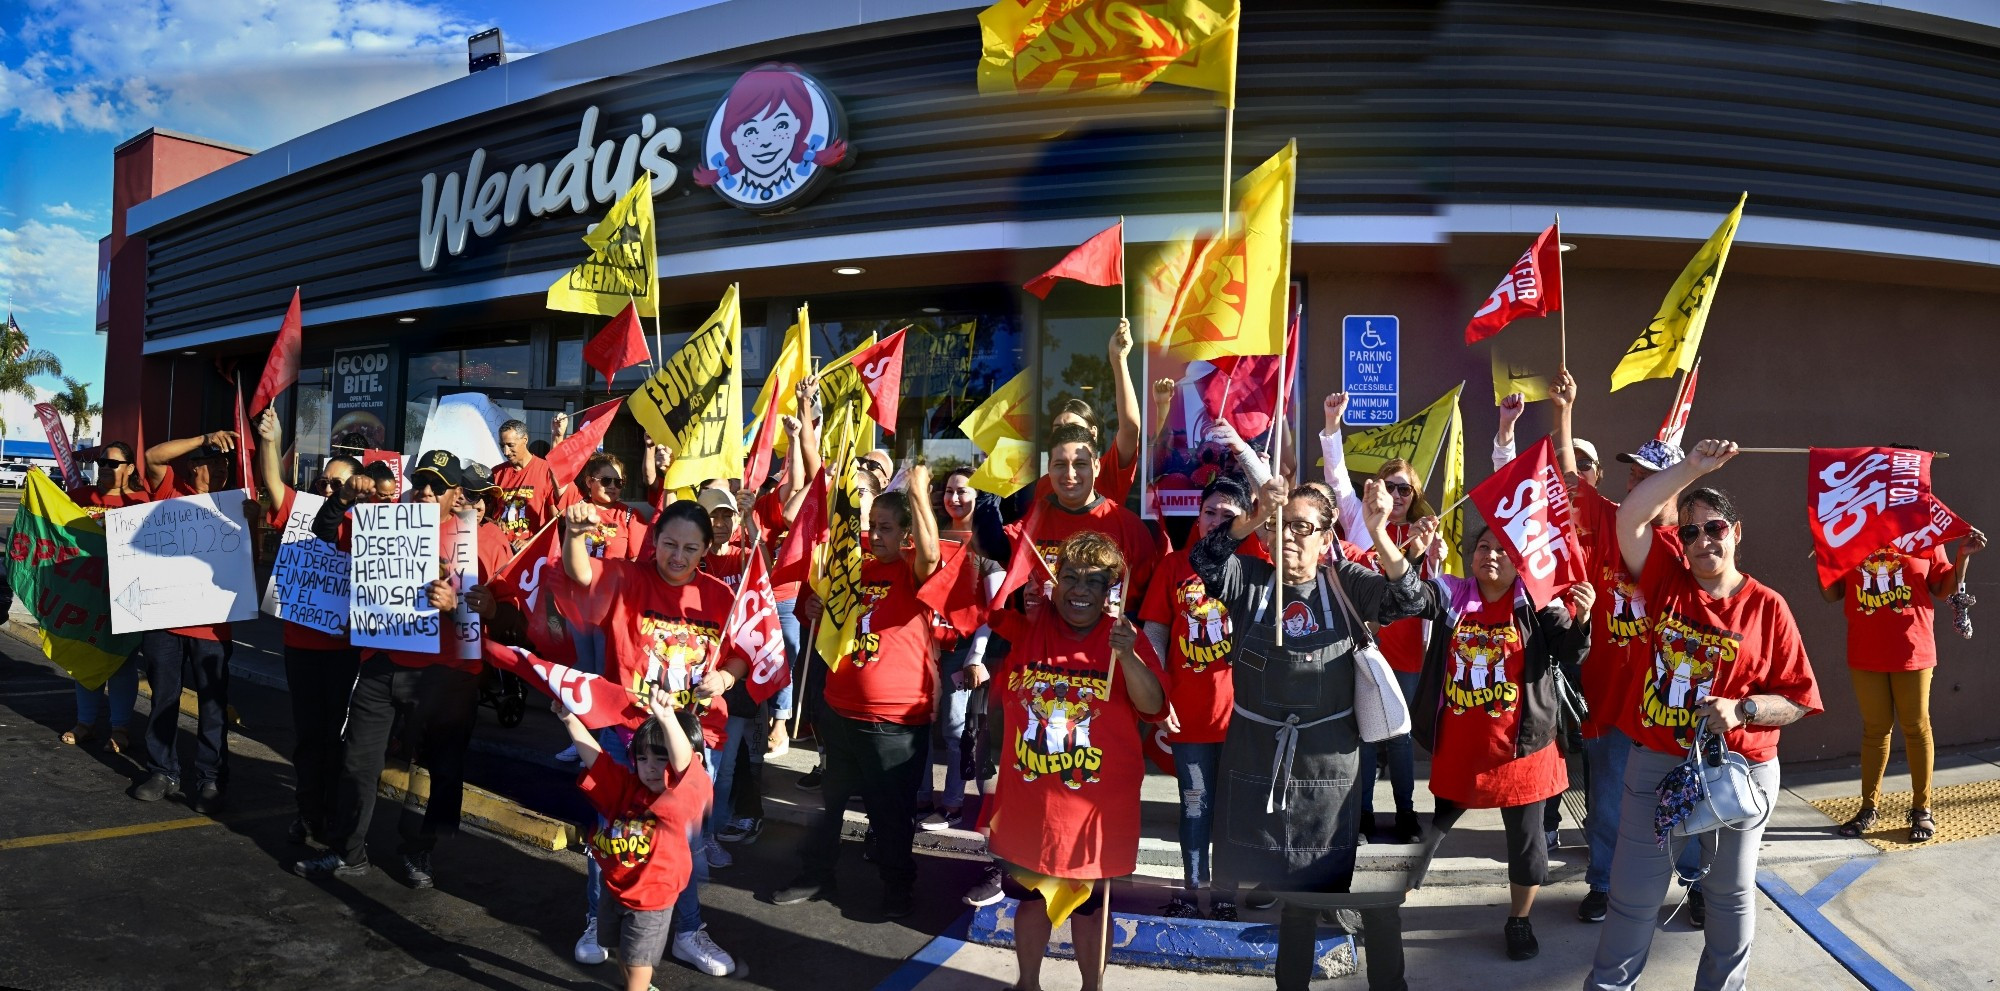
(714, 499)
(1654, 455)
(440, 463)
(1589, 450)
(476, 477)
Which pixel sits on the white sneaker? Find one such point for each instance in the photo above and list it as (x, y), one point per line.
(718, 858)
(697, 950)
(940, 819)
(587, 950)
(568, 756)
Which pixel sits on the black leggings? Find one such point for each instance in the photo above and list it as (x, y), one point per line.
(1527, 844)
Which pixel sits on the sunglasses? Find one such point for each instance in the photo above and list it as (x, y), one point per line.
(1714, 528)
(111, 464)
(608, 481)
(1399, 488)
(1585, 464)
(434, 486)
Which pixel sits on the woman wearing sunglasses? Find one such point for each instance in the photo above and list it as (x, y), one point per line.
(1727, 659)
(119, 483)
(1286, 813)
(1403, 643)
(620, 535)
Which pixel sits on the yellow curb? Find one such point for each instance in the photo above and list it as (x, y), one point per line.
(482, 808)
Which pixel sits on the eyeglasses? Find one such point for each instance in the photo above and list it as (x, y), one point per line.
(608, 481)
(1715, 528)
(1399, 488)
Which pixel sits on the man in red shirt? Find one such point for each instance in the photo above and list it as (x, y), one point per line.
(1072, 506)
(1118, 467)
(195, 656)
(530, 493)
(875, 733)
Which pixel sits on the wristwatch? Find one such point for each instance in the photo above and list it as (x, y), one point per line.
(1748, 709)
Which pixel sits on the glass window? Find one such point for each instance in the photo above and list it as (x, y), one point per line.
(951, 362)
(313, 423)
(502, 373)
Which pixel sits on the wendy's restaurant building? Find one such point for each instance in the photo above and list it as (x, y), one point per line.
(840, 154)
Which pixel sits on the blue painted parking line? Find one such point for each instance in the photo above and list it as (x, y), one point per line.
(1804, 910)
(927, 960)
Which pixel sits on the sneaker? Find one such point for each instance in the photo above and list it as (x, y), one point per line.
(1222, 911)
(1594, 906)
(417, 870)
(1259, 900)
(1180, 908)
(718, 858)
(329, 864)
(299, 831)
(697, 950)
(587, 950)
(1555, 839)
(801, 889)
(1697, 909)
(744, 831)
(208, 799)
(987, 891)
(568, 755)
(1408, 829)
(898, 904)
(809, 780)
(941, 819)
(155, 787)
(1521, 944)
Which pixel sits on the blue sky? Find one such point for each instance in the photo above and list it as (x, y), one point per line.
(77, 77)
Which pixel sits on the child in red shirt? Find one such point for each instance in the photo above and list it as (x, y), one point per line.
(641, 845)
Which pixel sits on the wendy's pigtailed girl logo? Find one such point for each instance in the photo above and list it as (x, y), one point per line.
(773, 141)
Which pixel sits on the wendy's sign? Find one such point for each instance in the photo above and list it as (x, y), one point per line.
(774, 141)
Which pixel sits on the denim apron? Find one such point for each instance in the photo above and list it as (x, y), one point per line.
(1287, 811)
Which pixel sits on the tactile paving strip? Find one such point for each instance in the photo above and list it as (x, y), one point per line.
(1963, 812)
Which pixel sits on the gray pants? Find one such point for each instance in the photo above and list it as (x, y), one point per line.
(1639, 872)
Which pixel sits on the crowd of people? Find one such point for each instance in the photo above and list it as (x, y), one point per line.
(1037, 715)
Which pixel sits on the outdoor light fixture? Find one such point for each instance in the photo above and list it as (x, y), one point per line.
(190, 353)
(484, 50)
(932, 309)
(406, 319)
(849, 270)
(1566, 246)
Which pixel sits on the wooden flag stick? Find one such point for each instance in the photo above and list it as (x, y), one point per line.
(1562, 301)
(1806, 450)
(1441, 515)
(1121, 276)
(1228, 159)
(1276, 467)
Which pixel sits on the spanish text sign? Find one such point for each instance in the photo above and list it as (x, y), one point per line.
(1368, 358)
(308, 583)
(180, 562)
(393, 556)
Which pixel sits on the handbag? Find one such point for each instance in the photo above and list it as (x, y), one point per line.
(1379, 706)
(1709, 791)
(1572, 711)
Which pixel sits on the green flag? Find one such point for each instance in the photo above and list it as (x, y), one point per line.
(57, 566)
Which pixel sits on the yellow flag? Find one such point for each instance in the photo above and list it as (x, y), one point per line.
(836, 575)
(1008, 467)
(1510, 377)
(1416, 440)
(1061, 895)
(1008, 413)
(1669, 343)
(621, 268)
(1453, 531)
(1108, 47)
(693, 405)
(793, 364)
(1155, 278)
(1233, 301)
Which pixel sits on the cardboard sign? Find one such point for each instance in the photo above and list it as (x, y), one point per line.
(468, 425)
(309, 582)
(180, 562)
(394, 555)
(461, 555)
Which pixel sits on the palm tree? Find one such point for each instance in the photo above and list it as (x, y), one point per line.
(74, 402)
(18, 369)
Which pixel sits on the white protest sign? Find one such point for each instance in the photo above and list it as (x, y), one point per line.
(466, 424)
(180, 562)
(394, 554)
(461, 554)
(309, 582)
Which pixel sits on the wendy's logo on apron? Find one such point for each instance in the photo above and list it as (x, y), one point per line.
(1299, 621)
(774, 141)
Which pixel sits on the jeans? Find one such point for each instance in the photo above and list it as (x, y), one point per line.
(788, 620)
(1194, 766)
(438, 705)
(589, 642)
(319, 683)
(611, 747)
(1401, 761)
(952, 707)
(881, 762)
(1605, 757)
(687, 909)
(723, 768)
(173, 660)
(122, 687)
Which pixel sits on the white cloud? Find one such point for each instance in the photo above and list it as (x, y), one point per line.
(63, 211)
(49, 268)
(18, 413)
(253, 72)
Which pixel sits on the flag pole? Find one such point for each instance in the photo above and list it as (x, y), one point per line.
(1562, 301)
(1228, 158)
(1122, 315)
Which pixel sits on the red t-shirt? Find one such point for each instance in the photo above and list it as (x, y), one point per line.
(643, 846)
(172, 486)
(620, 535)
(529, 497)
(892, 676)
(658, 636)
(1199, 638)
(1054, 524)
(94, 503)
(1403, 641)
(305, 637)
(1114, 478)
(727, 566)
(1474, 763)
(1620, 641)
(1735, 647)
(1890, 612)
(493, 553)
(770, 511)
(1067, 803)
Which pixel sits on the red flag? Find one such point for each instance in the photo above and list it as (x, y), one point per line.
(881, 368)
(1862, 499)
(599, 703)
(567, 458)
(527, 580)
(1153, 740)
(244, 447)
(1676, 423)
(757, 466)
(1025, 564)
(281, 369)
(1250, 386)
(1099, 261)
(809, 528)
(59, 443)
(955, 590)
(1532, 288)
(621, 344)
(753, 628)
(1527, 505)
